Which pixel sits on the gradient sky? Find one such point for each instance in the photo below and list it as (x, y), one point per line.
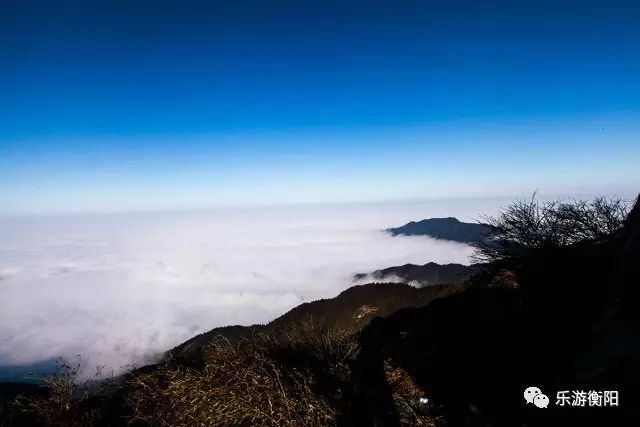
(118, 105)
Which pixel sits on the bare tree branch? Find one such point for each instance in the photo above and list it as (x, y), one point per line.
(529, 225)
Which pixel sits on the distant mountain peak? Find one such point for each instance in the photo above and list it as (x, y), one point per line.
(448, 228)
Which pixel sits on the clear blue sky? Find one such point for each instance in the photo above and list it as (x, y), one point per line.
(112, 105)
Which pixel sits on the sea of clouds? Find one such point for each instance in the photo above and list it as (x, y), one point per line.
(119, 289)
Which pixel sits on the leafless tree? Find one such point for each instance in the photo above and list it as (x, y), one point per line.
(528, 225)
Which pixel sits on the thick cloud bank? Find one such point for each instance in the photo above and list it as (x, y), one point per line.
(120, 288)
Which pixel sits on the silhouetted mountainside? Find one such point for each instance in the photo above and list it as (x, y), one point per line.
(356, 306)
(429, 274)
(350, 310)
(443, 228)
(572, 324)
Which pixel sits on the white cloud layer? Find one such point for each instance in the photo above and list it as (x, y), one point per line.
(120, 288)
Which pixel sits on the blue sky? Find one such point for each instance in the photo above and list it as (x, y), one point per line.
(178, 104)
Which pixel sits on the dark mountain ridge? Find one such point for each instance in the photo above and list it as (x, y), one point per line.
(444, 228)
(351, 310)
(429, 274)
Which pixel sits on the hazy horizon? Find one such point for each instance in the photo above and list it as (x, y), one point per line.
(626, 192)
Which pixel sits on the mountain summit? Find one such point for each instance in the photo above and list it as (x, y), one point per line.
(443, 228)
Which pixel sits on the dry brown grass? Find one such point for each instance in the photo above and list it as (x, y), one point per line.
(66, 401)
(406, 399)
(267, 380)
(299, 375)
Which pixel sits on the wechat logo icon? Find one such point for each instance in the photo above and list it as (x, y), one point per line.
(534, 395)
